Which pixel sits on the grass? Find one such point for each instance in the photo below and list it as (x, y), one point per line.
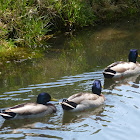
(74, 14)
(28, 23)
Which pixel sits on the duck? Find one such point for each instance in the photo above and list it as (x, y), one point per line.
(84, 101)
(121, 69)
(29, 110)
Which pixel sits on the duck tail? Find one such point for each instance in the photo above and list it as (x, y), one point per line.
(7, 115)
(108, 73)
(68, 105)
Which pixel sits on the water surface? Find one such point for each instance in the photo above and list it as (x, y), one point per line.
(69, 70)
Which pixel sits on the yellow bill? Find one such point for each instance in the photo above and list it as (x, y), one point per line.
(53, 99)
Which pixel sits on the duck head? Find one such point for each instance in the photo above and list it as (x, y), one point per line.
(133, 55)
(43, 98)
(96, 88)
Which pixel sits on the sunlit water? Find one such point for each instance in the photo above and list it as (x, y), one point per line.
(63, 73)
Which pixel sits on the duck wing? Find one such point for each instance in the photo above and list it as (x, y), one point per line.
(81, 97)
(27, 109)
(121, 67)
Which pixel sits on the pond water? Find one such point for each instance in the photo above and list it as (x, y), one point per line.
(69, 70)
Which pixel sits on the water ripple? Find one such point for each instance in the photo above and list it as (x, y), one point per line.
(66, 80)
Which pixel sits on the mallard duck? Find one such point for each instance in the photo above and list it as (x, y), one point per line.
(28, 110)
(83, 101)
(122, 69)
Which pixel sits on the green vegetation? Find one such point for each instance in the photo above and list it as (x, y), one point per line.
(28, 23)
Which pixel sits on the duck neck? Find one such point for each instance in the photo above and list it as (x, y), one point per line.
(96, 91)
(132, 60)
(133, 55)
(42, 103)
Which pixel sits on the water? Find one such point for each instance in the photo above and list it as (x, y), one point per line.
(69, 70)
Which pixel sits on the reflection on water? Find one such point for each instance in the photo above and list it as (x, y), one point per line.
(132, 81)
(70, 70)
(79, 116)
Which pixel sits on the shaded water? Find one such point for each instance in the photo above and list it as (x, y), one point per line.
(71, 69)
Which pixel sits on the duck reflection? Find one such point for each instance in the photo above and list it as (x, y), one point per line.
(74, 117)
(112, 83)
(23, 123)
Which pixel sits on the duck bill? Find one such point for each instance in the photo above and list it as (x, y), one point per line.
(138, 55)
(53, 99)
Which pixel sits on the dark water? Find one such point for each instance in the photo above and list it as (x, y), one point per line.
(71, 69)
